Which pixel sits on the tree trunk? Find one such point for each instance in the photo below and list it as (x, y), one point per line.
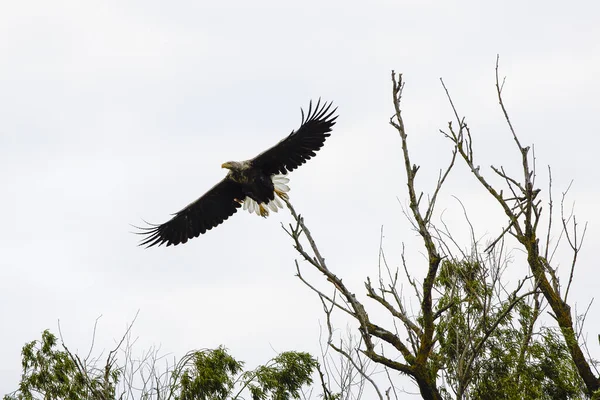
(428, 389)
(562, 311)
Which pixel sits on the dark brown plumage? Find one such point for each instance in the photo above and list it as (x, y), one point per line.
(255, 184)
(299, 146)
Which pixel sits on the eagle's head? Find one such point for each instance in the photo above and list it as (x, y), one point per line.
(233, 165)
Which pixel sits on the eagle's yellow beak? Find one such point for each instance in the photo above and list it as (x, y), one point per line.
(226, 165)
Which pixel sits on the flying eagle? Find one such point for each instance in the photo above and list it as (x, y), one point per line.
(256, 184)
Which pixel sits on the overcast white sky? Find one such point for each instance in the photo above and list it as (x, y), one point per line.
(115, 111)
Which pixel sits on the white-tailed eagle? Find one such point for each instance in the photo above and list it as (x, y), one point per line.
(255, 185)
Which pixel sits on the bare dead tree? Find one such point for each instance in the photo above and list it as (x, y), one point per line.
(417, 351)
(474, 301)
(345, 372)
(415, 338)
(518, 199)
(123, 374)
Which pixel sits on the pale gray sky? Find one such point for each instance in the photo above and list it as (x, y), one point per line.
(120, 110)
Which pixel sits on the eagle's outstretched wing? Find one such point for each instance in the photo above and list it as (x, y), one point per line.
(210, 210)
(300, 145)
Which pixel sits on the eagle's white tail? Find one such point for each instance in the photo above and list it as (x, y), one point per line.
(281, 189)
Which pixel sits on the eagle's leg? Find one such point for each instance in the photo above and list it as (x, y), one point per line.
(280, 186)
(263, 211)
(281, 194)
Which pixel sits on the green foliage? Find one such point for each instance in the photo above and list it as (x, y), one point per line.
(284, 378)
(546, 373)
(51, 373)
(513, 361)
(464, 292)
(214, 375)
(210, 375)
